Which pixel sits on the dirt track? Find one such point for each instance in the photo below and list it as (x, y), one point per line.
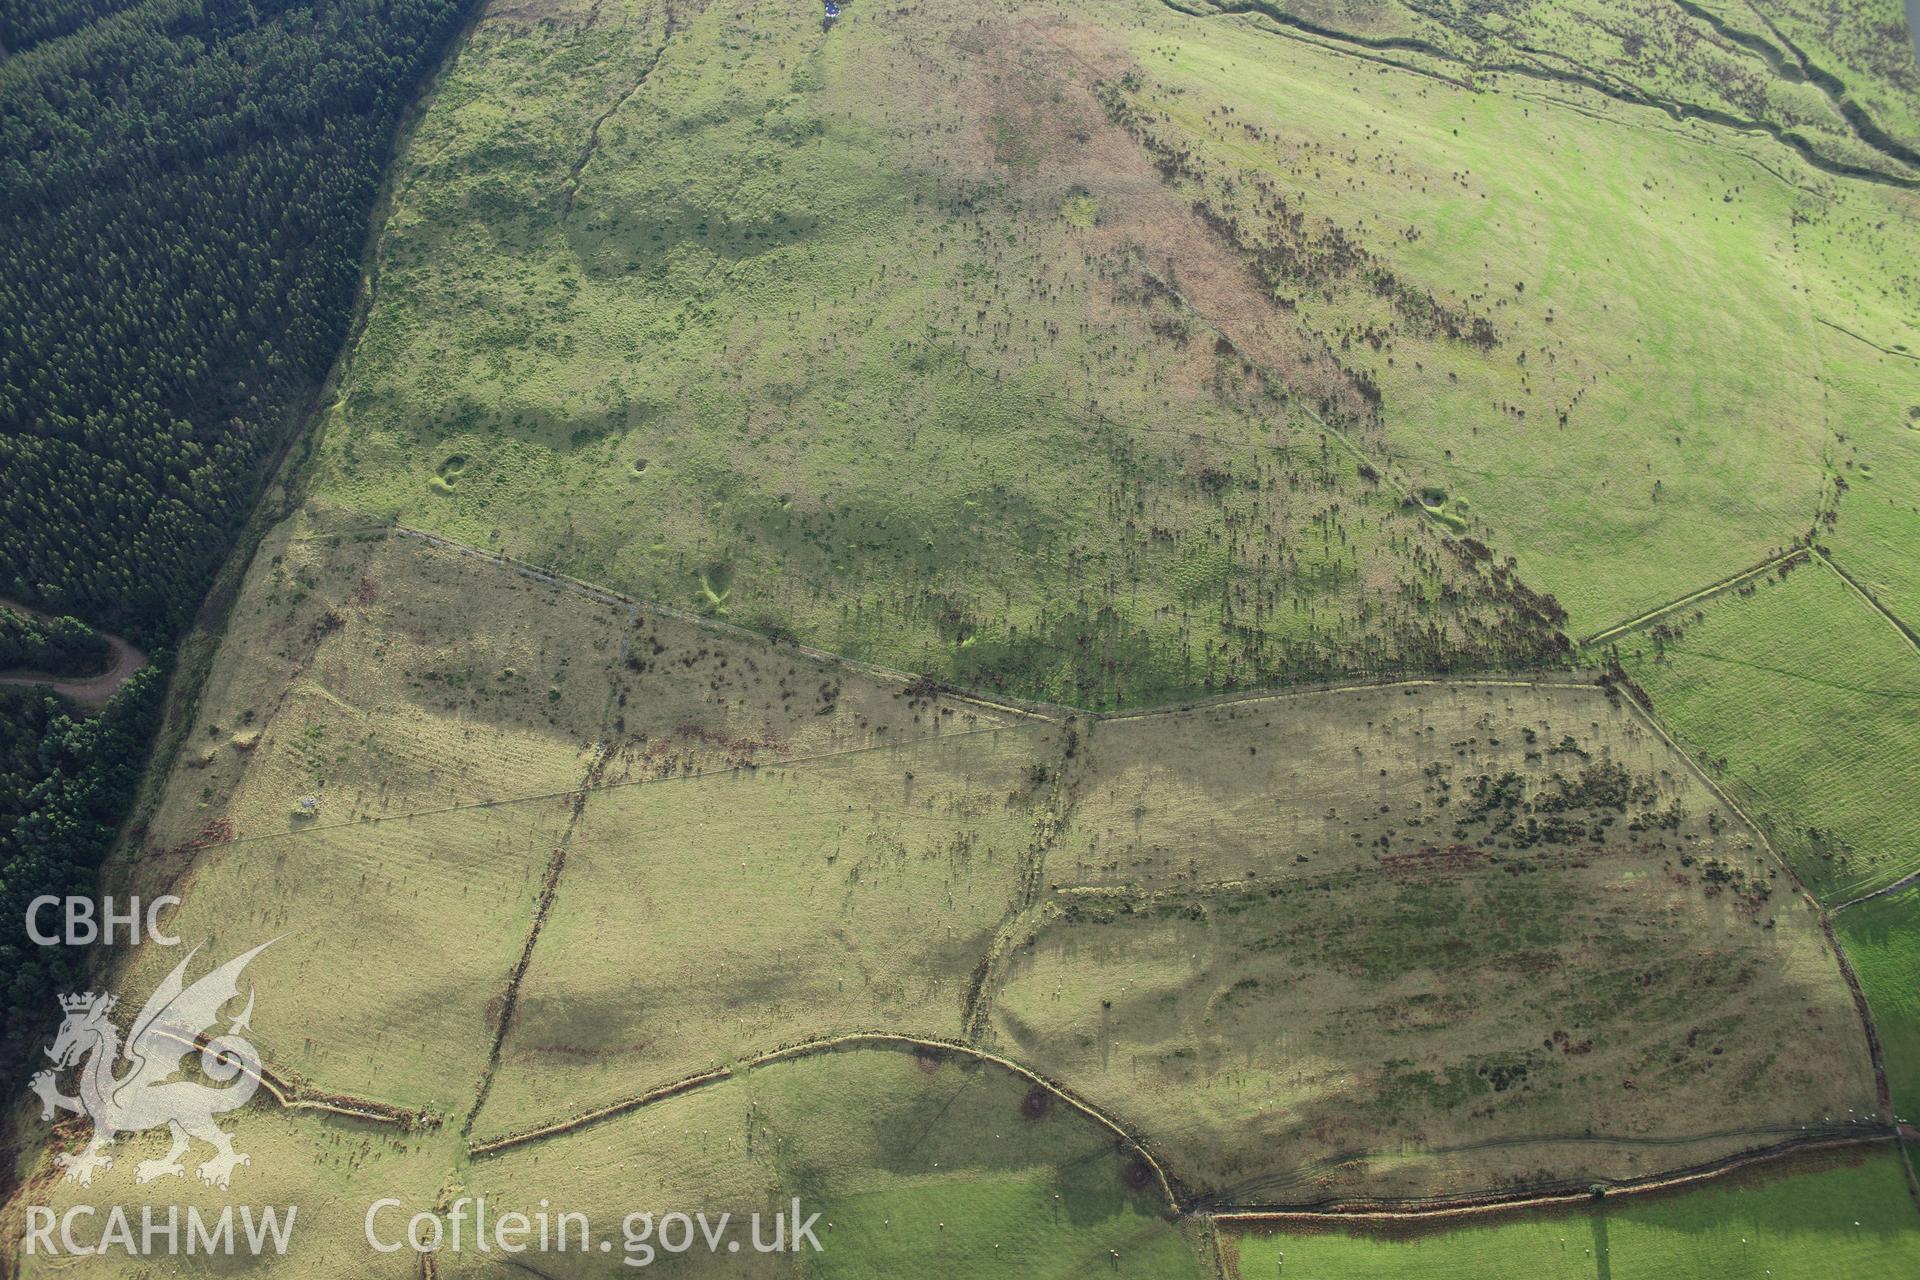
(91, 691)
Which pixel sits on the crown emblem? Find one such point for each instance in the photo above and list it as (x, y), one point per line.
(149, 1093)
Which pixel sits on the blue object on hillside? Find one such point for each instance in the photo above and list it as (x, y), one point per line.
(833, 10)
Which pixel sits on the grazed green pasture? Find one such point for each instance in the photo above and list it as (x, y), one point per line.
(1801, 698)
(1853, 1219)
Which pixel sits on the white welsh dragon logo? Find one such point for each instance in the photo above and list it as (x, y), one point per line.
(176, 1020)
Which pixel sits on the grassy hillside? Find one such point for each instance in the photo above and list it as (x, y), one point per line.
(764, 579)
(1873, 399)
(327, 1167)
(1370, 944)
(1831, 81)
(662, 849)
(1648, 414)
(888, 339)
(1196, 403)
(1801, 697)
(1859, 46)
(709, 920)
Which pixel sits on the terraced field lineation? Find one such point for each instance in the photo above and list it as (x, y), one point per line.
(976, 1001)
(606, 595)
(586, 789)
(542, 906)
(543, 903)
(977, 1005)
(1142, 1145)
(1048, 712)
(1873, 601)
(1904, 882)
(1883, 1090)
(1694, 597)
(1222, 700)
(354, 1108)
(1719, 793)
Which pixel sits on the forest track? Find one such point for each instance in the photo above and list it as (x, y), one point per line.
(89, 691)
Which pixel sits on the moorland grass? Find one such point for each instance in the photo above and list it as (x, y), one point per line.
(1721, 59)
(393, 940)
(1857, 44)
(1414, 943)
(379, 675)
(913, 395)
(891, 338)
(441, 712)
(950, 421)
